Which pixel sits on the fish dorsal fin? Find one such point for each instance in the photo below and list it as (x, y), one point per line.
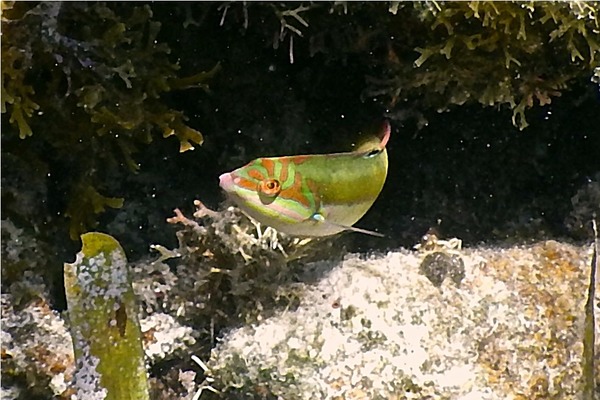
(376, 142)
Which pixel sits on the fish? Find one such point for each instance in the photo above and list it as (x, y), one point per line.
(312, 195)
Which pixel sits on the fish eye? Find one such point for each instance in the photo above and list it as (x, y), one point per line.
(269, 187)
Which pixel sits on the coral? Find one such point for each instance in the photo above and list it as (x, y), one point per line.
(37, 356)
(376, 328)
(103, 321)
(299, 326)
(227, 270)
(83, 84)
(163, 336)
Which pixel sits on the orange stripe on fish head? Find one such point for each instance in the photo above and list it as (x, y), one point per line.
(299, 192)
(269, 165)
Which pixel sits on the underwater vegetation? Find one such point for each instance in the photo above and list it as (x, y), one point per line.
(515, 54)
(103, 318)
(590, 379)
(81, 92)
(87, 87)
(225, 271)
(493, 109)
(259, 326)
(240, 267)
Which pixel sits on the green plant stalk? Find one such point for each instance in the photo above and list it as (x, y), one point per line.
(103, 322)
(589, 338)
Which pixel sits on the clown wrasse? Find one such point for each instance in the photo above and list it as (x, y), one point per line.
(312, 195)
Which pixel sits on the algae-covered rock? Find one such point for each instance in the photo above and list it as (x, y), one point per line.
(104, 323)
(376, 328)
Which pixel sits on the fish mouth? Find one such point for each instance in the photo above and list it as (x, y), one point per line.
(226, 181)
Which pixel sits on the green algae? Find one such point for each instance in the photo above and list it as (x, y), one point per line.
(103, 322)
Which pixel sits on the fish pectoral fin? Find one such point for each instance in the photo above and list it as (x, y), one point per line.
(321, 219)
(360, 230)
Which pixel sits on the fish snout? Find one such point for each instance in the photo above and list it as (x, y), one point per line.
(226, 181)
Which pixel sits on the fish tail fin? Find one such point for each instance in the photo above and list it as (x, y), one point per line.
(385, 134)
(378, 141)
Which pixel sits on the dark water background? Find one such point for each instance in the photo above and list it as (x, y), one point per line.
(469, 169)
(466, 170)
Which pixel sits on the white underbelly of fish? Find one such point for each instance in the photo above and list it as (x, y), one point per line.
(336, 218)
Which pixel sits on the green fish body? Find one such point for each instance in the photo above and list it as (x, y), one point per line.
(311, 195)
